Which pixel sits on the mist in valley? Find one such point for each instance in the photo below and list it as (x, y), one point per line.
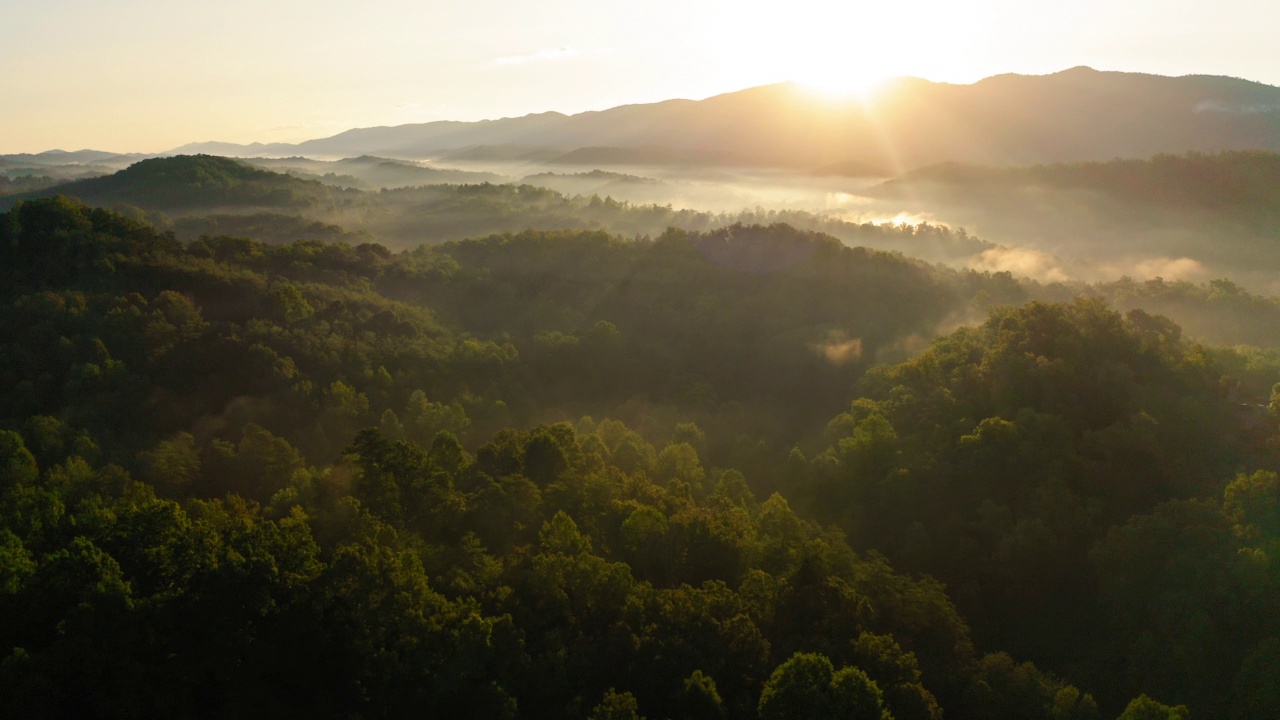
(1038, 230)
(649, 412)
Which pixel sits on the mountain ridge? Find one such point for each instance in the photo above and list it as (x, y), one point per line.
(1078, 114)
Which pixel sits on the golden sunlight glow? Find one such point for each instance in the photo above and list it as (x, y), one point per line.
(839, 85)
(841, 51)
(912, 219)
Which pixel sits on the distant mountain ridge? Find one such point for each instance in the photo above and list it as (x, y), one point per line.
(1075, 115)
(77, 157)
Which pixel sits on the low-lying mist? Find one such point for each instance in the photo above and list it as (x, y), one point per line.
(1091, 222)
(1040, 230)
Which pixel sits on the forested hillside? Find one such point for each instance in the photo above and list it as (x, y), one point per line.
(200, 181)
(578, 474)
(206, 195)
(528, 327)
(1064, 467)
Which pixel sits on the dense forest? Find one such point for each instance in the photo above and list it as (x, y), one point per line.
(740, 470)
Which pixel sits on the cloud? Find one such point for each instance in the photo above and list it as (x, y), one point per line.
(549, 54)
(839, 350)
(1170, 268)
(1236, 108)
(1021, 262)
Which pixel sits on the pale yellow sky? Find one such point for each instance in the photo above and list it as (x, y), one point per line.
(149, 75)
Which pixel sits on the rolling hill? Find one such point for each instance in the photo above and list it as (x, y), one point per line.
(189, 183)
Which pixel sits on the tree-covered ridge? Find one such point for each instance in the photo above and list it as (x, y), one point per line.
(274, 228)
(25, 183)
(453, 212)
(1017, 461)
(206, 195)
(513, 328)
(1239, 180)
(1218, 311)
(256, 475)
(184, 182)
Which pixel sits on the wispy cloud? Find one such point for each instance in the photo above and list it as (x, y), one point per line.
(1170, 268)
(1021, 262)
(537, 57)
(1236, 108)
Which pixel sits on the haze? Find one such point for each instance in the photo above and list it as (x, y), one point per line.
(671, 360)
(134, 76)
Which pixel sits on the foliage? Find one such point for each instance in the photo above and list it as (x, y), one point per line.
(250, 479)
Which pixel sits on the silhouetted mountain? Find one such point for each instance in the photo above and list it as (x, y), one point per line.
(1074, 115)
(646, 156)
(62, 157)
(31, 172)
(501, 153)
(230, 149)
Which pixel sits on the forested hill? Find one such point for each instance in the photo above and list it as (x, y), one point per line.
(194, 181)
(572, 475)
(516, 327)
(1063, 468)
(205, 195)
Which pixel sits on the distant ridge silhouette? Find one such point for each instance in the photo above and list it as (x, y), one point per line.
(1074, 115)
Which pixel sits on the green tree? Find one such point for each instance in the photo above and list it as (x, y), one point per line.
(808, 686)
(616, 706)
(17, 464)
(699, 699)
(1144, 708)
(173, 464)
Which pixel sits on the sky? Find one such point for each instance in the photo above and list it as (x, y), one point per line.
(151, 75)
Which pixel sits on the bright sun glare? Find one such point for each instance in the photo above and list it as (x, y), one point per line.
(844, 85)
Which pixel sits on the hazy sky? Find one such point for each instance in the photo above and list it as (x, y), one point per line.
(149, 75)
